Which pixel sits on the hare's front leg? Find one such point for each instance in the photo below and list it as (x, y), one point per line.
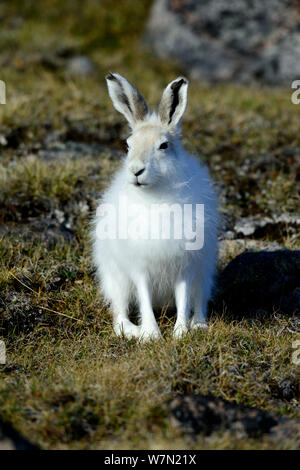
(149, 328)
(117, 288)
(202, 291)
(182, 299)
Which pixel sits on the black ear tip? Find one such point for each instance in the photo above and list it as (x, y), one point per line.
(178, 83)
(110, 76)
(184, 79)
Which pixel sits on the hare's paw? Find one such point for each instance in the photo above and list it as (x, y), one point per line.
(180, 330)
(126, 328)
(198, 324)
(149, 332)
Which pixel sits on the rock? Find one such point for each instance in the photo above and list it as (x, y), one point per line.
(22, 313)
(256, 282)
(284, 431)
(259, 227)
(217, 41)
(10, 439)
(3, 140)
(229, 235)
(15, 137)
(18, 314)
(229, 249)
(195, 414)
(42, 229)
(238, 245)
(80, 66)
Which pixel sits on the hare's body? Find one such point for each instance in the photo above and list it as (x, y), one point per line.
(148, 270)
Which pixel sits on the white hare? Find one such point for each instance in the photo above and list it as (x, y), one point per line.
(152, 271)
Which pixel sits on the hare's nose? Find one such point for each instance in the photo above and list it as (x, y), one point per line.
(138, 173)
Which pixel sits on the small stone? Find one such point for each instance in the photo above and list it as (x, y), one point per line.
(229, 235)
(3, 140)
(80, 66)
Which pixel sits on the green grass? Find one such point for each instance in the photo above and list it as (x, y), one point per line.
(69, 382)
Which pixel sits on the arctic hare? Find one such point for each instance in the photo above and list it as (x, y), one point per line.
(155, 271)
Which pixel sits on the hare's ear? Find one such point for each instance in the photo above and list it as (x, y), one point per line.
(126, 99)
(173, 102)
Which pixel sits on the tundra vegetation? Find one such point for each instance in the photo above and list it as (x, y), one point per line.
(69, 382)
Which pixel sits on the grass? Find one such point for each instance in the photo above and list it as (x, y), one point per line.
(69, 382)
(87, 389)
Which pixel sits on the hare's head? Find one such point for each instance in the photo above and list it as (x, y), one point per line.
(153, 146)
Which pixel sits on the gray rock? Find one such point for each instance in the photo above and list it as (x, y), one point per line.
(81, 66)
(229, 249)
(261, 226)
(3, 140)
(216, 40)
(261, 282)
(204, 414)
(42, 229)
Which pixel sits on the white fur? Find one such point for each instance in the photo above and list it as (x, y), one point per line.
(155, 273)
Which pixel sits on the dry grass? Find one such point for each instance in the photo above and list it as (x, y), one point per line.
(85, 388)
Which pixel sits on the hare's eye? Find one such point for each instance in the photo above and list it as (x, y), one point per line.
(163, 146)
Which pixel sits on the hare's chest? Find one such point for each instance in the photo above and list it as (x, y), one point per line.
(161, 225)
